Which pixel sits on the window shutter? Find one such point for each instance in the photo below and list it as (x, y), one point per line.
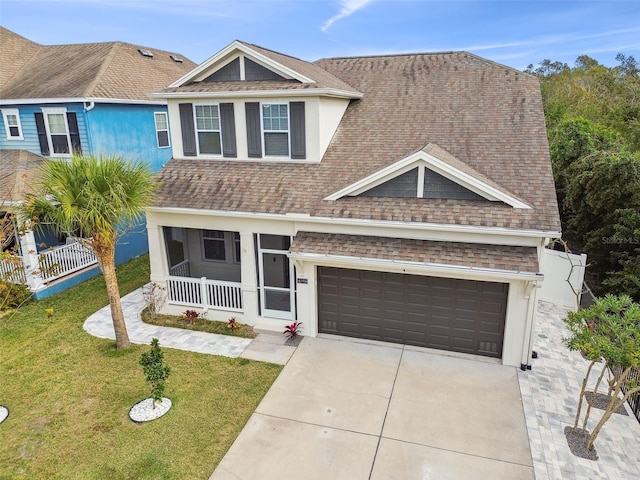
(254, 143)
(298, 142)
(228, 126)
(42, 134)
(188, 130)
(74, 133)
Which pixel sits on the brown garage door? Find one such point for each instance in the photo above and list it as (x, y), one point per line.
(449, 314)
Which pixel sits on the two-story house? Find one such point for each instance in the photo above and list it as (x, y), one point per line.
(400, 198)
(88, 98)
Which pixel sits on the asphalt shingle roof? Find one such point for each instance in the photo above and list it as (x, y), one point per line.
(498, 257)
(484, 115)
(113, 70)
(18, 171)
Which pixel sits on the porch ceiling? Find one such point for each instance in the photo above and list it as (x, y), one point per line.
(482, 256)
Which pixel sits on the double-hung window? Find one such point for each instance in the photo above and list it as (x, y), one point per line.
(12, 124)
(275, 128)
(162, 129)
(208, 129)
(214, 245)
(57, 130)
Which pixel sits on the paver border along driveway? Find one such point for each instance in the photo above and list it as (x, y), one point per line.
(344, 409)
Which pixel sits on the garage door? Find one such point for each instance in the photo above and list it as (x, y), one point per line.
(449, 314)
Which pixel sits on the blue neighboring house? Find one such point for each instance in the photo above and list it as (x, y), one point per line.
(90, 98)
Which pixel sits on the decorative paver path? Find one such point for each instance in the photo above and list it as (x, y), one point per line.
(550, 396)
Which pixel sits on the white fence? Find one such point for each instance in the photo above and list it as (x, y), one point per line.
(65, 260)
(12, 270)
(204, 293)
(563, 277)
(181, 269)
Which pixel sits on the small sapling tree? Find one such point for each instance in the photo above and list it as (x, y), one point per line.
(608, 331)
(155, 370)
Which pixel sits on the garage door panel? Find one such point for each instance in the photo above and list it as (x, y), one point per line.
(445, 313)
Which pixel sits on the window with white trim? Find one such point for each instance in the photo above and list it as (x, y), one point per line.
(162, 129)
(208, 131)
(275, 129)
(213, 244)
(12, 124)
(57, 130)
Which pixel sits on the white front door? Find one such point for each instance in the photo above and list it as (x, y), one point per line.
(277, 277)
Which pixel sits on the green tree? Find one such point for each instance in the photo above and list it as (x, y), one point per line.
(608, 331)
(155, 370)
(95, 200)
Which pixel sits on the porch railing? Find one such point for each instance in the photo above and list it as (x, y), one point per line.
(64, 260)
(204, 293)
(181, 269)
(12, 270)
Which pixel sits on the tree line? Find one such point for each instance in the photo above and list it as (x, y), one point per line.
(592, 114)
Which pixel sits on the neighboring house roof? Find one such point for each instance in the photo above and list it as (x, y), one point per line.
(16, 52)
(515, 259)
(18, 171)
(111, 70)
(487, 118)
(310, 77)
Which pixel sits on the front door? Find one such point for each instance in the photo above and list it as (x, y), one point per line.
(277, 277)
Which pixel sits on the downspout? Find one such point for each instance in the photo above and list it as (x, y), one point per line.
(532, 293)
(88, 106)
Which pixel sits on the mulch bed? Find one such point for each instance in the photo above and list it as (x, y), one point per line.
(577, 440)
(602, 401)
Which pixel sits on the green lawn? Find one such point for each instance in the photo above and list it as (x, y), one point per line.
(69, 395)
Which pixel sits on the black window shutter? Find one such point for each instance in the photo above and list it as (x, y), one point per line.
(298, 142)
(42, 134)
(188, 130)
(74, 133)
(254, 143)
(228, 125)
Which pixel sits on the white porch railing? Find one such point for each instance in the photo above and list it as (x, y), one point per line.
(181, 269)
(12, 270)
(64, 260)
(204, 293)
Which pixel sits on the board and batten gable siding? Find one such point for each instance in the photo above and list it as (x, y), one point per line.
(30, 140)
(129, 131)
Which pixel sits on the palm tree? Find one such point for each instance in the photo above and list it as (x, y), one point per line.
(95, 200)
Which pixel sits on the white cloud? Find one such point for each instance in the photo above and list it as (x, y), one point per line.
(349, 7)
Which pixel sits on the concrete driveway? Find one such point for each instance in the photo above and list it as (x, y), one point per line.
(344, 409)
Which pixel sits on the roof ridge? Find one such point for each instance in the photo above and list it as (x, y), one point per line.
(103, 68)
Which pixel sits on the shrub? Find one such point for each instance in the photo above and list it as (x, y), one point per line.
(232, 324)
(13, 295)
(292, 330)
(155, 371)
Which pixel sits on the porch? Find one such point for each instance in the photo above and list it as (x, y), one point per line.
(245, 273)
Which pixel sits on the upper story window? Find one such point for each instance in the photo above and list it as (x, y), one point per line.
(58, 131)
(12, 124)
(208, 130)
(275, 127)
(162, 129)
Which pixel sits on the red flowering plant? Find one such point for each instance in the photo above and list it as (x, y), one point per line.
(232, 324)
(191, 315)
(292, 330)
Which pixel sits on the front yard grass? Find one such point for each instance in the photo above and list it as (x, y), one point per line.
(69, 395)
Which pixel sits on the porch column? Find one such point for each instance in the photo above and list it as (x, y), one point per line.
(249, 276)
(29, 253)
(157, 255)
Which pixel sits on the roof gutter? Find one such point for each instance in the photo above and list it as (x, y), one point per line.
(84, 100)
(305, 217)
(434, 268)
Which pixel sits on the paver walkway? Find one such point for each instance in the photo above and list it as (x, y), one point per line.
(550, 396)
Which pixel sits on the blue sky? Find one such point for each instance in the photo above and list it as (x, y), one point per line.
(515, 32)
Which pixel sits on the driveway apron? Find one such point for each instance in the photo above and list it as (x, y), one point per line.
(344, 409)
